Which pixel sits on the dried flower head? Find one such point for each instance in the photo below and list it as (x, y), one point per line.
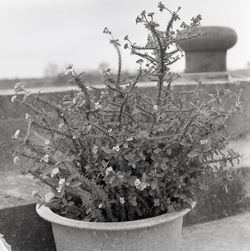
(13, 99)
(16, 160)
(19, 87)
(122, 200)
(54, 172)
(16, 134)
(45, 158)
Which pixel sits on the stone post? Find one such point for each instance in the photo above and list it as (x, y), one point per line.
(208, 52)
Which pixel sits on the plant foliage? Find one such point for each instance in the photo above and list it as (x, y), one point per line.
(117, 155)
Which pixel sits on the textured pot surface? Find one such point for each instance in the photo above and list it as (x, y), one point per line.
(160, 233)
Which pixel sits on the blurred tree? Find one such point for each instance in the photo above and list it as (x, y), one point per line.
(103, 66)
(51, 70)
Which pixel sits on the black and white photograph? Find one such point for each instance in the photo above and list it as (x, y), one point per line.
(124, 125)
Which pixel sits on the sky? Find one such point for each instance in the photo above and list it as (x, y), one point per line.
(35, 33)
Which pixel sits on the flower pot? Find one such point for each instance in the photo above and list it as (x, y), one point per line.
(160, 233)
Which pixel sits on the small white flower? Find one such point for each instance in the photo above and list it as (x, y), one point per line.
(59, 189)
(203, 141)
(116, 148)
(46, 142)
(74, 101)
(122, 200)
(142, 186)
(16, 160)
(97, 105)
(95, 149)
(137, 183)
(100, 206)
(54, 172)
(13, 99)
(109, 170)
(27, 116)
(156, 202)
(45, 158)
(15, 136)
(61, 126)
(155, 107)
(61, 182)
(110, 132)
(104, 92)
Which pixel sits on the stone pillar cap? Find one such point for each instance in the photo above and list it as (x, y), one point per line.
(214, 38)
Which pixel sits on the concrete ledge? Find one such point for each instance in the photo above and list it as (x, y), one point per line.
(229, 234)
(24, 230)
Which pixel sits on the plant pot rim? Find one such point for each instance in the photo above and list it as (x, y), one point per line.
(45, 213)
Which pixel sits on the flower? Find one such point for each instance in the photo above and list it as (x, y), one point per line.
(203, 141)
(45, 158)
(27, 116)
(59, 189)
(137, 183)
(61, 126)
(122, 200)
(116, 148)
(110, 132)
(97, 105)
(95, 149)
(61, 185)
(15, 136)
(142, 186)
(104, 92)
(155, 107)
(100, 206)
(19, 87)
(109, 170)
(61, 182)
(54, 172)
(13, 99)
(157, 202)
(46, 142)
(16, 160)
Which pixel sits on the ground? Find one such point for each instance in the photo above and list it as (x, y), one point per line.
(229, 234)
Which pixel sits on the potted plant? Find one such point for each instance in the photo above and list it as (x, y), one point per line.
(123, 167)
